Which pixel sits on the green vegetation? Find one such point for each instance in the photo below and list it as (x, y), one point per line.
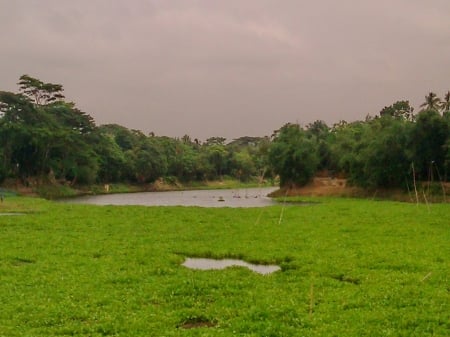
(46, 142)
(349, 268)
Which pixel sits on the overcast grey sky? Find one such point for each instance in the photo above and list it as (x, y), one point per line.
(231, 67)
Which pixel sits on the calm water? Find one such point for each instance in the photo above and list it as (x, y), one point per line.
(250, 197)
(208, 264)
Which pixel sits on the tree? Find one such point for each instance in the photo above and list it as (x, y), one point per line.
(17, 108)
(54, 138)
(445, 104)
(112, 164)
(399, 110)
(125, 138)
(432, 102)
(321, 132)
(150, 163)
(293, 156)
(215, 141)
(428, 142)
(242, 165)
(184, 163)
(25, 136)
(39, 92)
(346, 144)
(216, 154)
(385, 157)
(71, 117)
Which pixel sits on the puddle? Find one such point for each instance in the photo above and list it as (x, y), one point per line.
(11, 214)
(208, 264)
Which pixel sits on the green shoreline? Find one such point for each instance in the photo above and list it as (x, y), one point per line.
(58, 191)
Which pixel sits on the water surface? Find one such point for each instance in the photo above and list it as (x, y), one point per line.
(208, 264)
(249, 197)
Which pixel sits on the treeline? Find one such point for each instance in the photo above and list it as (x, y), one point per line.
(44, 138)
(390, 150)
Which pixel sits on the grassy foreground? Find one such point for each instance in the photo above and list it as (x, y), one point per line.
(349, 268)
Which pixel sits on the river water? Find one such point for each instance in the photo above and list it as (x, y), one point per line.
(249, 197)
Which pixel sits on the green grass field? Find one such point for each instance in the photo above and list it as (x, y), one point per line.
(349, 268)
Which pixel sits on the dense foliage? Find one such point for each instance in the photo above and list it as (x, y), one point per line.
(350, 267)
(46, 139)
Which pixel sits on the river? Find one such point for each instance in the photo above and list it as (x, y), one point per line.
(248, 197)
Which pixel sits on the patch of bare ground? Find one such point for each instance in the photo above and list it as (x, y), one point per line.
(321, 186)
(197, 323)
(339, 187)
(18, 187)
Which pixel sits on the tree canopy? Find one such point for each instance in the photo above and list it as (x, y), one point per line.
(45, 138)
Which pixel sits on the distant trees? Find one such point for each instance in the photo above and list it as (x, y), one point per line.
(376, 153)
(39, 140)
(432, 102)
(399, 110)
(429, 139)
(45, 138)
(445, 104)
(293, 155)
(39, 92)
(383, 156)
(381, 151)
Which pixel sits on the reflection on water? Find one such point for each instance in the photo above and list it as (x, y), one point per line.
(208, 264)
(250, 197)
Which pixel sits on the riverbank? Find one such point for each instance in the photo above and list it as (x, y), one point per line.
(319, 187)
(58, 191)
(335, 187)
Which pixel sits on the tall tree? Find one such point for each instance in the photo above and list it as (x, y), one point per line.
(385, 155)
(321, 132)
(428, 139)
(445, 104)
(293, 156)
(39, 92)
(432, 102)
(399, 110)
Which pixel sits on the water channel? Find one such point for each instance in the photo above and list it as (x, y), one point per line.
(249, 197)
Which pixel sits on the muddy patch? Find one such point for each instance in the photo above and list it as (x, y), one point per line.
(197, 323)
(210, 264)
(20, 261)
(347, 279)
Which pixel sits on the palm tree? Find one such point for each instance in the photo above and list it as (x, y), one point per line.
(432, 102)
(445, 104)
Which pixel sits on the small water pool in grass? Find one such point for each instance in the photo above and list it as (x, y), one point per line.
(11, 214)
(209, 264)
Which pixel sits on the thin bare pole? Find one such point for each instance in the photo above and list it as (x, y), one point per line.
(311, 299)
(409, 191)
(426, 201)
(442, 184)
(414, 181)
(282, 209)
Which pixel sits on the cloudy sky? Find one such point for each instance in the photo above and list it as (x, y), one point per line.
(228, 67)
